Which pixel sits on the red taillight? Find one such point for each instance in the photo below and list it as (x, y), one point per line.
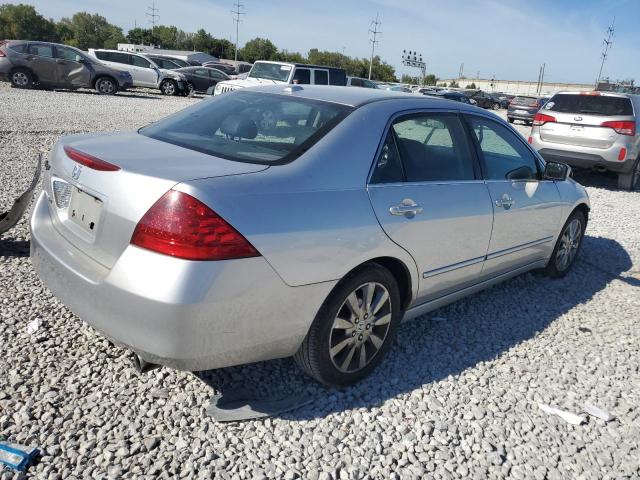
(182, 226)
(622, 154)
(541, 119)
(623, 128)
(90, 161)
(2, 53)
(534, 104)
(530, 140)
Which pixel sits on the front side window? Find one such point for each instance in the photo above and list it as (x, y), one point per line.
(321, 77)
(271, 71)
(434, 147)
(68, 54)
(41, 50)
(218, 75)
(202, 72)
(505, 156)
(249, 126)
(302, 76)
(140, 62)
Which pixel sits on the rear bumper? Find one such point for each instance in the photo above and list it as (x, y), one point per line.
(521, 116)
(184, 314)
(585, 157)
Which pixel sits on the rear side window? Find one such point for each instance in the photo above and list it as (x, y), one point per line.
(17, 47)
(434, 147)
(140, 62)
(590, 104)
(41, 50)
(250, 127)
(388, 167)
(114, 57)
(321, 77)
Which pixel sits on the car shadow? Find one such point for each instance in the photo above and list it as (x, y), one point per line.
(591, 178)
(14, 248)
(444, 342)
(126, 93)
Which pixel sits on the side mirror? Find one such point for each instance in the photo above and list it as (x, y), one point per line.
(556, 171)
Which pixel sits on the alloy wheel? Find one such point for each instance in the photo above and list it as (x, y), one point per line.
(168, 88)
(20, 79)
(360, 327)
(569, 243)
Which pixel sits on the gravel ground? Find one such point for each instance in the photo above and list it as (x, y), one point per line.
(456, 398)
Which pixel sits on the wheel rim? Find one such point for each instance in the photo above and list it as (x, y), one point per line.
(569, 243)
(20, 79)
(360, 327)
(168, 88)
(105, 86)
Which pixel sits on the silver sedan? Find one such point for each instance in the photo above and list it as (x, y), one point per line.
(296, 220)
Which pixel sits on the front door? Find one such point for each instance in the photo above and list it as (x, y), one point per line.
(41, 61)
(71, 71)
(527, 210)
(429, 198)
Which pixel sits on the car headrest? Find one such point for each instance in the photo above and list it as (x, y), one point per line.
(237, 126)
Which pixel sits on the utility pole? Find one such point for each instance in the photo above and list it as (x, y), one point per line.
(373, 30)
(461, 71)
(237, 11)
(544, 67)
(152, 13)
(607, 43)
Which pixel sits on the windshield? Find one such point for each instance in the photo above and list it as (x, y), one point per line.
(590, 104)
(271, 71)
(250, 127)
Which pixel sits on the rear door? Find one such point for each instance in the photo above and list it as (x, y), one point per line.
(71, 72)
(320, 77)
(146, 72)
(41, 60)
(429, 198)
(527, 210)
(579, 118)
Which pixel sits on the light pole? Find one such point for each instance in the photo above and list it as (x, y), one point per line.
(414, 59)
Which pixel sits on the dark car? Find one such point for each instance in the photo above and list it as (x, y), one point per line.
(26, 64)
(200, 79)
(455, 96)
(484, 99)
(167, 63)
(223, 67)
(524, 108)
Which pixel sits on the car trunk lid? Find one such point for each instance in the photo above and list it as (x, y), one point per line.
(96, 210)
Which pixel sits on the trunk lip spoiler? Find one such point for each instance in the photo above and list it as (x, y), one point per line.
(9, 219)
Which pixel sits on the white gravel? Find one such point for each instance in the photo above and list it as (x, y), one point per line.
(456, 398)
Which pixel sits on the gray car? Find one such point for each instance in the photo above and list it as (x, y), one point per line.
(28, 63)
(295, 220)
(599, 130)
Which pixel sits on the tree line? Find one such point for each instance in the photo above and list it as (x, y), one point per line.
(85, 30)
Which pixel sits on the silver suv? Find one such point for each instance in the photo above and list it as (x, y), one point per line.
(596, 130)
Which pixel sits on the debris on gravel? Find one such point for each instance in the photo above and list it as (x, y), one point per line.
(454, 399)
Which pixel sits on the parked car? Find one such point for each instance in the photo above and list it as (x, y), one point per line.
(178, 61)
(223, 67)
(27, 63)
(395, 88)
(200, 79)
(215, 237)
(484, 99)
(268, 73)
(502, 100)
(524, 108)
(593, 130)
(455, 96)
(360, 82)
(145, 72)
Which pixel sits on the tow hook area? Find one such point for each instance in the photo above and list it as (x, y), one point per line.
(9, 219)
(141, 365)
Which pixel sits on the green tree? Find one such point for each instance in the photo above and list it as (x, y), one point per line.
(165, 36)
(140, 36)
(454, 84)
(202, 40)
(23, 22)
(430, 79)
(293, 57)
(222, 48)
(259, 49)
(92, 31)
(472, 86)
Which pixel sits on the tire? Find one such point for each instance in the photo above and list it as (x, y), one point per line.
(22, 78)
(332, 350)
(106, 86)
(169, 87)
(559, 264)
(510, 119)
(191, 88)
(495, 106)
(630, 181)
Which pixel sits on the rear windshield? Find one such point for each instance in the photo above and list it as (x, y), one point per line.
(590, 104)
(250, 127)
(524, 100)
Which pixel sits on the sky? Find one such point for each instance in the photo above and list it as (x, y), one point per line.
(508, 39)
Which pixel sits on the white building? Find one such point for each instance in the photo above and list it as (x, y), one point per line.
(518, 87)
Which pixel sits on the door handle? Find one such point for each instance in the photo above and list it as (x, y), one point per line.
(505, 201)
(407, 208)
